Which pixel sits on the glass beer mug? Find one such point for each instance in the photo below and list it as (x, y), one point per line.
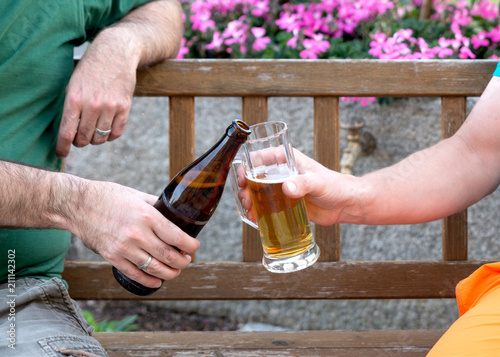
(266, 160)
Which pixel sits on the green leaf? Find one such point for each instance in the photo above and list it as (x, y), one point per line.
(123, 325)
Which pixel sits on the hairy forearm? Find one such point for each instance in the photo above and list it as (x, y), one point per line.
(36, 198)
(149, 34)
(115, 221)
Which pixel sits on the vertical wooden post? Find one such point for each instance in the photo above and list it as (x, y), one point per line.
(425, 9)
(326, 151)
(181, 133)
(254, 110)
(181, 143)
(453, 114)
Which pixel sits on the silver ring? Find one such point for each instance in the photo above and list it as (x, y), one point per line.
(102, 132)
(145, 265)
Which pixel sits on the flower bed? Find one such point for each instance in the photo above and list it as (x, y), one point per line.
(333, 29)
(340, 29)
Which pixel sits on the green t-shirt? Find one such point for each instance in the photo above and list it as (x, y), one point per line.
(37, 39)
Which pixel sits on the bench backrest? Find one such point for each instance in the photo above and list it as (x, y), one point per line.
(326, 81)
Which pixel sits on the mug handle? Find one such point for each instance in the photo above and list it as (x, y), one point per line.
(233, 176)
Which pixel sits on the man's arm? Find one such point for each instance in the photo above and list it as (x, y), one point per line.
(100, 91)
(115, 221)
(428, 185)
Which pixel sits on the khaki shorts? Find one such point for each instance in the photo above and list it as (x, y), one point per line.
(38, 318)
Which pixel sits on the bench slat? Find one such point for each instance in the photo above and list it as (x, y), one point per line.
(232, 78)
(454, 231)
(327, 151)
(369, 343)
(324, 280)
(182, 123)
(254, 110)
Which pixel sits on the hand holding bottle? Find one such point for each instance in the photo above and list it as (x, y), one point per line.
(122, 225)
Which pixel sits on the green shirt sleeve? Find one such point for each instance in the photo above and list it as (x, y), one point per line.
(98, 14)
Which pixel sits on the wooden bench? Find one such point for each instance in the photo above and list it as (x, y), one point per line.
(326, 81)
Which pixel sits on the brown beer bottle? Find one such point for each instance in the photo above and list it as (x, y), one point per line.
(191, 197)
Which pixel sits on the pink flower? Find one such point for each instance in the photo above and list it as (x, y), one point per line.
(293, 41)
(377, 44)
(217, 41)
(235, 32)
(202, 21)
(260, 7)
(183, 50)
(366, 100)
(261, 41)
(313, 23)
(443, 50)
(494, 34)
(465, 53)
(444, 42)
(461, 17)
(424, 46)
(313, 47)
(288, 22)
(258, 31)
(363, 100)
(403, 34)
(480, 40)
(485, 9)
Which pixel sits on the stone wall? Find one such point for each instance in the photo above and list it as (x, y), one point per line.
(139, 159)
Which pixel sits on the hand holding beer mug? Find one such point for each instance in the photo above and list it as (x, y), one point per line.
(266, 160)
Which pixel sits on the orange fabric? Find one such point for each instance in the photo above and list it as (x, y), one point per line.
(477, 331)
(470, 290)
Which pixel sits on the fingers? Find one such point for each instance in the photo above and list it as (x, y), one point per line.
(101, 122)
(167, 249)
(68, 127)
(269, 156)
(98, 100)
(166, 261)
(291, 190)
(129, 230)
(147, 277)
(302, 185)
(150, 199)
(111, 123)
(173, 236)
(119, 122)
(93, 123)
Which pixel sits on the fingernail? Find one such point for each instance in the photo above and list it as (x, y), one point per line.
(291, 187)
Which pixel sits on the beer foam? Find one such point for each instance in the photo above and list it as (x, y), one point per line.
(271, 174)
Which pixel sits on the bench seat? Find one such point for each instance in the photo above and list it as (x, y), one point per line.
(367, 343)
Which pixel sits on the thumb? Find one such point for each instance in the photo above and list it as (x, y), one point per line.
(298, 186)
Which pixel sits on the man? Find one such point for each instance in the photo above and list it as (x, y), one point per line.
(45, 107)
(428, 185)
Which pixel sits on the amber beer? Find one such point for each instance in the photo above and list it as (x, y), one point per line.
(283, 222)
(266, 159)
